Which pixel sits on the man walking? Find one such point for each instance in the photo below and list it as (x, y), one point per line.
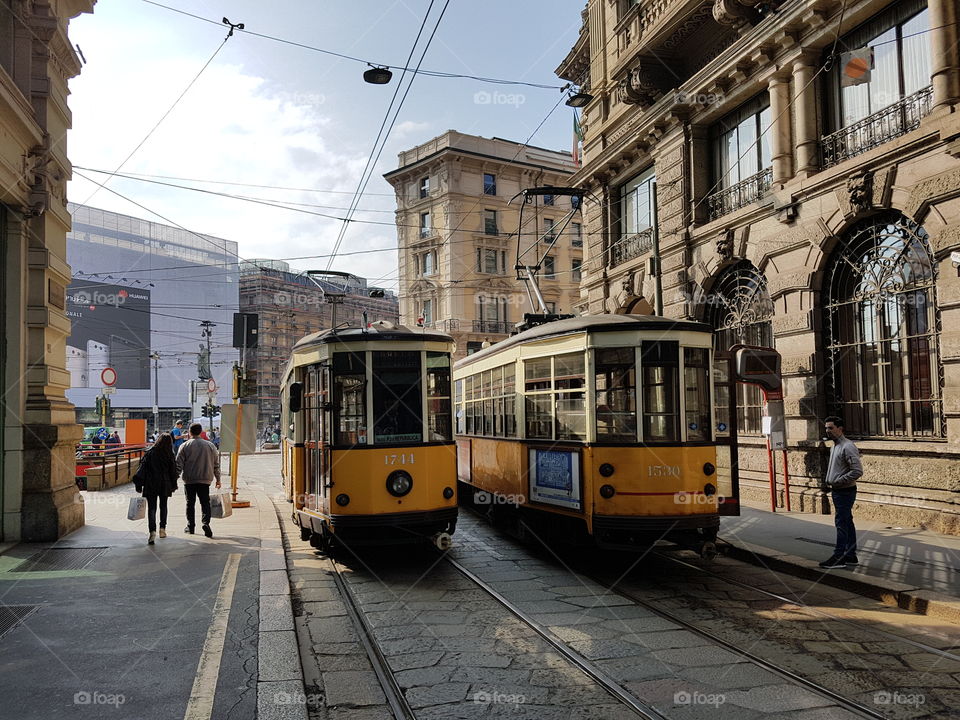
(842, 472)
(199, 464)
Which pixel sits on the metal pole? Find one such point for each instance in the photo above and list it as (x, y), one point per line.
(156, 392)
(658, 283)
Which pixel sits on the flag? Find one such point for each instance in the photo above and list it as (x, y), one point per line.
(855, 67)
(577, 138)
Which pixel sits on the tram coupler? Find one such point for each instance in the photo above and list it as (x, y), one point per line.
(708, 550)
(442, 541)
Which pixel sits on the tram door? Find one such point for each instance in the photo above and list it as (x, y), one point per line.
(317, 411)
(725, 432)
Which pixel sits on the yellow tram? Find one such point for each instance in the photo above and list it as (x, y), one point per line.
(368, 451)
(600, 429)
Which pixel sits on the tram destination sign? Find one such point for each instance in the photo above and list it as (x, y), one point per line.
(555, 478)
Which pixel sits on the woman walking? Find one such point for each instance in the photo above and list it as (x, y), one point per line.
(157, 480)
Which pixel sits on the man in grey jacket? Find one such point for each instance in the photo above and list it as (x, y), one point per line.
(842, 472)
(198, 461)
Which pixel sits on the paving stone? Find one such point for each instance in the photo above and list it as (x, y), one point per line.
(274, 582)
(326, 608)
(392, 617)
(608, 711)
(335, 649)
(628, 669)
(281, 700)
(330, 630)
(476, 659)
(607, 600)
(278, 656)
(931, 663)
(352, 687)
(834, 648)
(438, 694)
(585, 632)
(558, 677)
(777, 698)
(461, 711)
(603, 649)
(561, 619)
(541, 660)
(739, 675)
(695, 656)
(355, 660)
(538, 608)
(439, 617)
(490, 678)
(424, 676)
(275, 613)
(381, 712)
(414, 660)
(664, 640)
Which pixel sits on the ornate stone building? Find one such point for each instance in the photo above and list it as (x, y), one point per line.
(457, 229)
(805, 198)
(38, 495)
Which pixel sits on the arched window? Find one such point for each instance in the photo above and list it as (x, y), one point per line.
(740, 309)
(884, 368)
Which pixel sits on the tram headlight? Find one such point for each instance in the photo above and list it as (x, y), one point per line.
(447, 493)
(343, 499)
(709, 469)
(607, 491)
(606, 470)
(709, 489)
(399, 483)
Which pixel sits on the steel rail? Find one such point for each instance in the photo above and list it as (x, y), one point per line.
(590, 669)
(946, 654)
(381, 667)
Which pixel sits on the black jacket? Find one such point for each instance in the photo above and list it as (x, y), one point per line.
(157, 474)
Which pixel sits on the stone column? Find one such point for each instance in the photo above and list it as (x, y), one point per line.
(944, 52)
(781, 145)
(805, 112)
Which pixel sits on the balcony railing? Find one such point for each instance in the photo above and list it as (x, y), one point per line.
(740, 195)
(885, 125)
(631, 246)
(491, 326)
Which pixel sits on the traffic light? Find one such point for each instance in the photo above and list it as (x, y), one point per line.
(248, 383)
(211, 410)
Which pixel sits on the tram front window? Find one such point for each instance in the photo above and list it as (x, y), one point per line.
(659, 363)
(616, 395)
(349, 399)
(397, 402)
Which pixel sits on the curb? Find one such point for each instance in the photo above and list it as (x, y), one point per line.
(888, 592)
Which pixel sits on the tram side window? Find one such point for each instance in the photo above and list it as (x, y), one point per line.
(659, 363)
(470, 396)
(486, 385)
(438, 396)
(539, 398)
(509, 401)
(696, 384)
(349, 398)
(458, 404)
(616, 381)
(397, 400)
(570, 384)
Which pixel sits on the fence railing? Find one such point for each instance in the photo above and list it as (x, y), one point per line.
(744, 193)
(884, 125)
(105, 457)
(631, 246)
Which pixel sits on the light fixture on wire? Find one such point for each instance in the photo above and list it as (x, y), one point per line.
(578, 99)
(377, 75)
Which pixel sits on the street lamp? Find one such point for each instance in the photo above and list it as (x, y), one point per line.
(578, 99)
(377, 75)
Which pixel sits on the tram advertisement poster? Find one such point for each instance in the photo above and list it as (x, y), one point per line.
(555, 478)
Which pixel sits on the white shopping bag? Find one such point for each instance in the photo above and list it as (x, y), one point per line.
(221, 506)
(137, 509)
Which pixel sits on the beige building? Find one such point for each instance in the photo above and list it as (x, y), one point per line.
(794, 209)
(457, 231)
(38, 496)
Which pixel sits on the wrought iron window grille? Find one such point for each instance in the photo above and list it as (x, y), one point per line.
(631, 247)
(737, 196)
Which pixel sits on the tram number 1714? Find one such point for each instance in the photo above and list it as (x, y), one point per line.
(401, 459)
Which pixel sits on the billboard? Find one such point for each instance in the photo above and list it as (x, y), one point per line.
(111, 327)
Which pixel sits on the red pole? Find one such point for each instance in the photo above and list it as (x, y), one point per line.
(786, 479)
(773, 477)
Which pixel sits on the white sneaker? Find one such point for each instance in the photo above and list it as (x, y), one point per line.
(163, 532)
(153, 536)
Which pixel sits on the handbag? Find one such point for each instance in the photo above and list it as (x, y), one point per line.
(137, 510)
(221, 505)
(140, 476)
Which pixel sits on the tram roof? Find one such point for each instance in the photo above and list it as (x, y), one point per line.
(374, 332)
(589, 324)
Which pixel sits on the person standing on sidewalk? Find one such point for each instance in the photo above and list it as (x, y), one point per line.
(842, 472)
(199, 463)
(178, 435)
(157, 480)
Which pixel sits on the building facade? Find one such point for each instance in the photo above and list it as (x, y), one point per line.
(139, 293)
(803, 158)
(457, 235)
(289, 306)
(38, 496)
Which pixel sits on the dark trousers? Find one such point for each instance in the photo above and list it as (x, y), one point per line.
(843, 518)
(194, 491)
(152, 502)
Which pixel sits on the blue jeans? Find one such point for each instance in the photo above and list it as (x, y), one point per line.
(843, 501)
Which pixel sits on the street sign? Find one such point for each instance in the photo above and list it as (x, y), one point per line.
(109, 390)
(108, 376)
(102, 433)
(211, 385)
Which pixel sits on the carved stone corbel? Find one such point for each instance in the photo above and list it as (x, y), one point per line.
(725, 245)
(860, 191)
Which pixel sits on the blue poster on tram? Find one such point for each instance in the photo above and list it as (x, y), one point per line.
(555, 478)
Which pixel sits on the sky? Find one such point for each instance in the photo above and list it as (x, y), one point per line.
(289, 125)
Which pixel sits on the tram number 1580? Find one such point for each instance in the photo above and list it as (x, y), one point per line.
(663, 471)
(401, 459)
